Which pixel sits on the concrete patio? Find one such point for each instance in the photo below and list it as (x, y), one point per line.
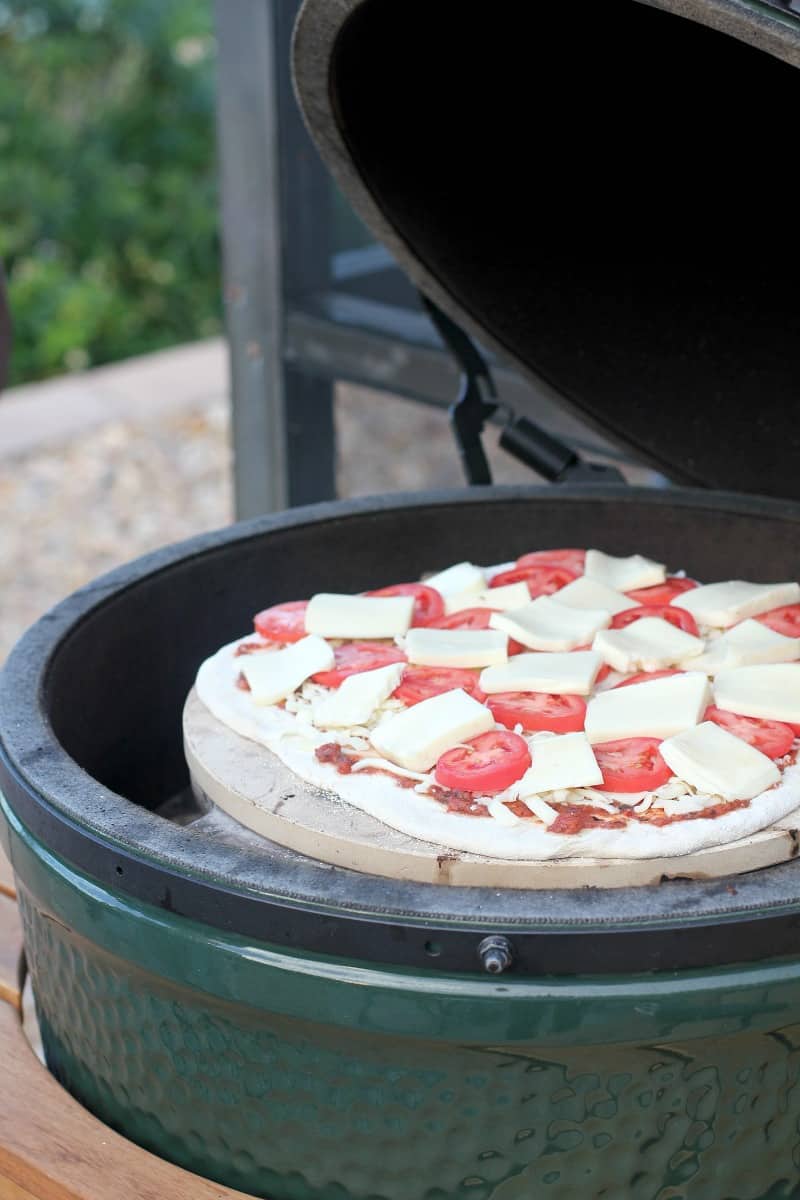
(99, 467)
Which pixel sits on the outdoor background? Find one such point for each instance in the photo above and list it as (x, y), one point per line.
(108, 219)
(109, 239)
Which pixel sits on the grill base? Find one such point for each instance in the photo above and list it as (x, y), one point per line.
(49, 1145)
(338, 1109)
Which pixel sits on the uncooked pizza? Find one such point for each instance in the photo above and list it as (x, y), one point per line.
(570, 704)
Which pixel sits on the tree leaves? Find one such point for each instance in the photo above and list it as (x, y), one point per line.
(108, 215)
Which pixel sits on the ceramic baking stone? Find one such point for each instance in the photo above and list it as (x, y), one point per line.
(254, 787)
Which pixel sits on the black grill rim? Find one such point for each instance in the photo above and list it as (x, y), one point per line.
(341, 913)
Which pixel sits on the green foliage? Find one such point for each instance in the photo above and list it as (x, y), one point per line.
(108, 216)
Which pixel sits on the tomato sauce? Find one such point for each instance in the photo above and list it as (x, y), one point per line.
(242, 683)
(572, 818)
(249, 648)
(336, 756)
(458, 802)
(400, 780)
(657, 817)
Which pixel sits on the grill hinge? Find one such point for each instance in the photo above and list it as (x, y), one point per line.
(477, 402)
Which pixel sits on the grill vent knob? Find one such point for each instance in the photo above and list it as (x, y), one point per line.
(496, 954)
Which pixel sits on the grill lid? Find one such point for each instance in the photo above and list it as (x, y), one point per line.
(600, 192)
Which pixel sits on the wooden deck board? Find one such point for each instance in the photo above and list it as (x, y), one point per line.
(10, 951)
(52, 1149)
(6, 876)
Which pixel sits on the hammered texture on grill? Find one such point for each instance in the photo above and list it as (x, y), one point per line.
(294, 1111)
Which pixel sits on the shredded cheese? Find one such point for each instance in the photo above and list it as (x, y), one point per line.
(501, 814)
(541, 809)
(383, 764)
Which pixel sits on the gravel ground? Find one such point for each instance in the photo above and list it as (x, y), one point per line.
(74, 510)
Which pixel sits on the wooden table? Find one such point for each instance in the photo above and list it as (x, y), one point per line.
(50, 1147)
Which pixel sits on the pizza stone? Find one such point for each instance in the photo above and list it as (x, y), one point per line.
(258, 765)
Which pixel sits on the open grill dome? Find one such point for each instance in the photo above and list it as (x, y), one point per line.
(601, 192)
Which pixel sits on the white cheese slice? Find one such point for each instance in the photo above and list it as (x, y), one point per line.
(510, 596)
(273, 677)
(362, 617)
(714, 761)
(544, 624)
(419, 736)
(646, 645)
(564, 761)
(623, 574)
(771, 691)
(725, 604)
(464, 577)
(657, 708)
(354, 702)
(746, 644)
(558, 674)
(588, 593)
(456, 647)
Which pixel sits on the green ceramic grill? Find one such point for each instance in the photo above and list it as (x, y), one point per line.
(306, 1032)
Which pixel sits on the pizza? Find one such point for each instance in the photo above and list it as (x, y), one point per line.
(568, 704)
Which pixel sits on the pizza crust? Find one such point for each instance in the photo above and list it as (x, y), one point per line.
(419, 816)
(249, 783)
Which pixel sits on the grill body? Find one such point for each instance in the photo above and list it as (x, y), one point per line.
(359, 1052)
(230, 1059)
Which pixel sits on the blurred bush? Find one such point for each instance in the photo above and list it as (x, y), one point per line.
(108, 219)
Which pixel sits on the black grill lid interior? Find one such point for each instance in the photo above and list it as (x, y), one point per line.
(603, 192)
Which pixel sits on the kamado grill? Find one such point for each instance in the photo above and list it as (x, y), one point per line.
(602, 193)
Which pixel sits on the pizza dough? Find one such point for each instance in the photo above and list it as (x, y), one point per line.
(293, 741)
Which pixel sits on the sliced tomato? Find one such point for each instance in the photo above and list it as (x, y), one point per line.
(573, 560)
(784, 620)
(678, 617)
(466, 618)
(542, 578)
(488, 763)
(772, 738)
(420, 683)
(428, 603)
(353, 657)
(631, 765)
(283, 622)
(646, 676)
(538, 710)
(663, 593)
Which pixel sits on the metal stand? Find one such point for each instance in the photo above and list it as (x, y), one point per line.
(275, 246)
(309, 298)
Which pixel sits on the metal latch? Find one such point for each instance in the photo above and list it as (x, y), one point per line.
(477, 402)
